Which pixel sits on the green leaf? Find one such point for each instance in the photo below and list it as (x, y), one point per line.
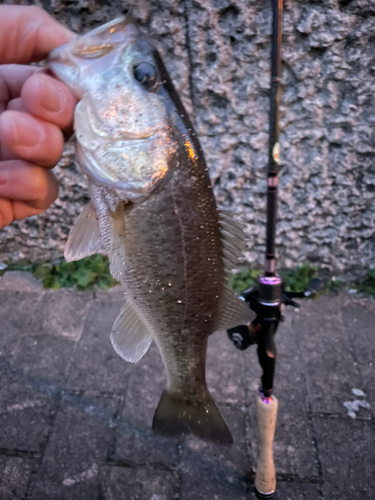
(84, 278)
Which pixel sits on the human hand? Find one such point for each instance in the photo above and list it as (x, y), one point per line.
(35, 109)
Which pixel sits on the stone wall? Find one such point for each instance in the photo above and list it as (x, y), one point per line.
(217, 52)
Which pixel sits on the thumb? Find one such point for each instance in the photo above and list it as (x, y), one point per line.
(28, 34)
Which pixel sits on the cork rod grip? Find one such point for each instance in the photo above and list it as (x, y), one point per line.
(265, 477)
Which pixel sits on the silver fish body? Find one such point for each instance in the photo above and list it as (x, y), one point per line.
(154, 213)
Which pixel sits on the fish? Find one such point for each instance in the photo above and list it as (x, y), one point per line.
(152, 210)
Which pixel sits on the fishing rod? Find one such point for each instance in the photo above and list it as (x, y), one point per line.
(268, 302)
(267, 297)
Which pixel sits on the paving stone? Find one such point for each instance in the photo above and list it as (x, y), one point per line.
(77, 448)
(297, 491)
(14, 477)
(26, 404)
(94, 452)
(44, 357)
(140, 483)
(136, 443)
(20, 281)
(197, 487)
(62, 313)
(294, 450)
(286, 338)
(28, 390)
(224, 370)
(347, 454)
(85, 485)
(358, 319)
(96, 366)
(329, 365)
(212, 469)
(16, 313)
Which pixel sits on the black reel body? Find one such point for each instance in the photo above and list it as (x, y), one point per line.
(243, 336)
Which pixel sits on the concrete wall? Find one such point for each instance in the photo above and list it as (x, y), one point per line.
(217, 52)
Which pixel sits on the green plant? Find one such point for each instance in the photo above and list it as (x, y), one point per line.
(297, 279)
(334, 285)
(368, 284)
(83, 274)
(244, 279)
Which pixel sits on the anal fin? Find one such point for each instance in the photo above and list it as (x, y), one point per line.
(130, 336)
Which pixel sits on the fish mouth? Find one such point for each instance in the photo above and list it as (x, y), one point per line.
(66, 61)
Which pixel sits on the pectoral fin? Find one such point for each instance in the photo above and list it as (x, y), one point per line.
(130, 337)
(84, 238)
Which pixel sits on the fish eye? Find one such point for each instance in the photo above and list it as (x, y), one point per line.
(145, 74)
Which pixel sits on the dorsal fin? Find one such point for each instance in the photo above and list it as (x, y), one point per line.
(130, 337)
(234, 311)
(84, 238)
(228, 216)
(232, 237)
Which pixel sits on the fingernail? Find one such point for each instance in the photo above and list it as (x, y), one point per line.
(52, 97)
(20, 130)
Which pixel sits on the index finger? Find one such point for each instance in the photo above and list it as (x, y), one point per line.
(28, 34)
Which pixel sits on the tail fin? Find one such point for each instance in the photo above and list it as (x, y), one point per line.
(175, 416)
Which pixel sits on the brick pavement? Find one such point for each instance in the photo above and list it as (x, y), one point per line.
(75, 419)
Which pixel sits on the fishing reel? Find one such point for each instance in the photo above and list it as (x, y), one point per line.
(268, 301)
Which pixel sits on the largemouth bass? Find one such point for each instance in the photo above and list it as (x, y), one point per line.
(153, 212)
